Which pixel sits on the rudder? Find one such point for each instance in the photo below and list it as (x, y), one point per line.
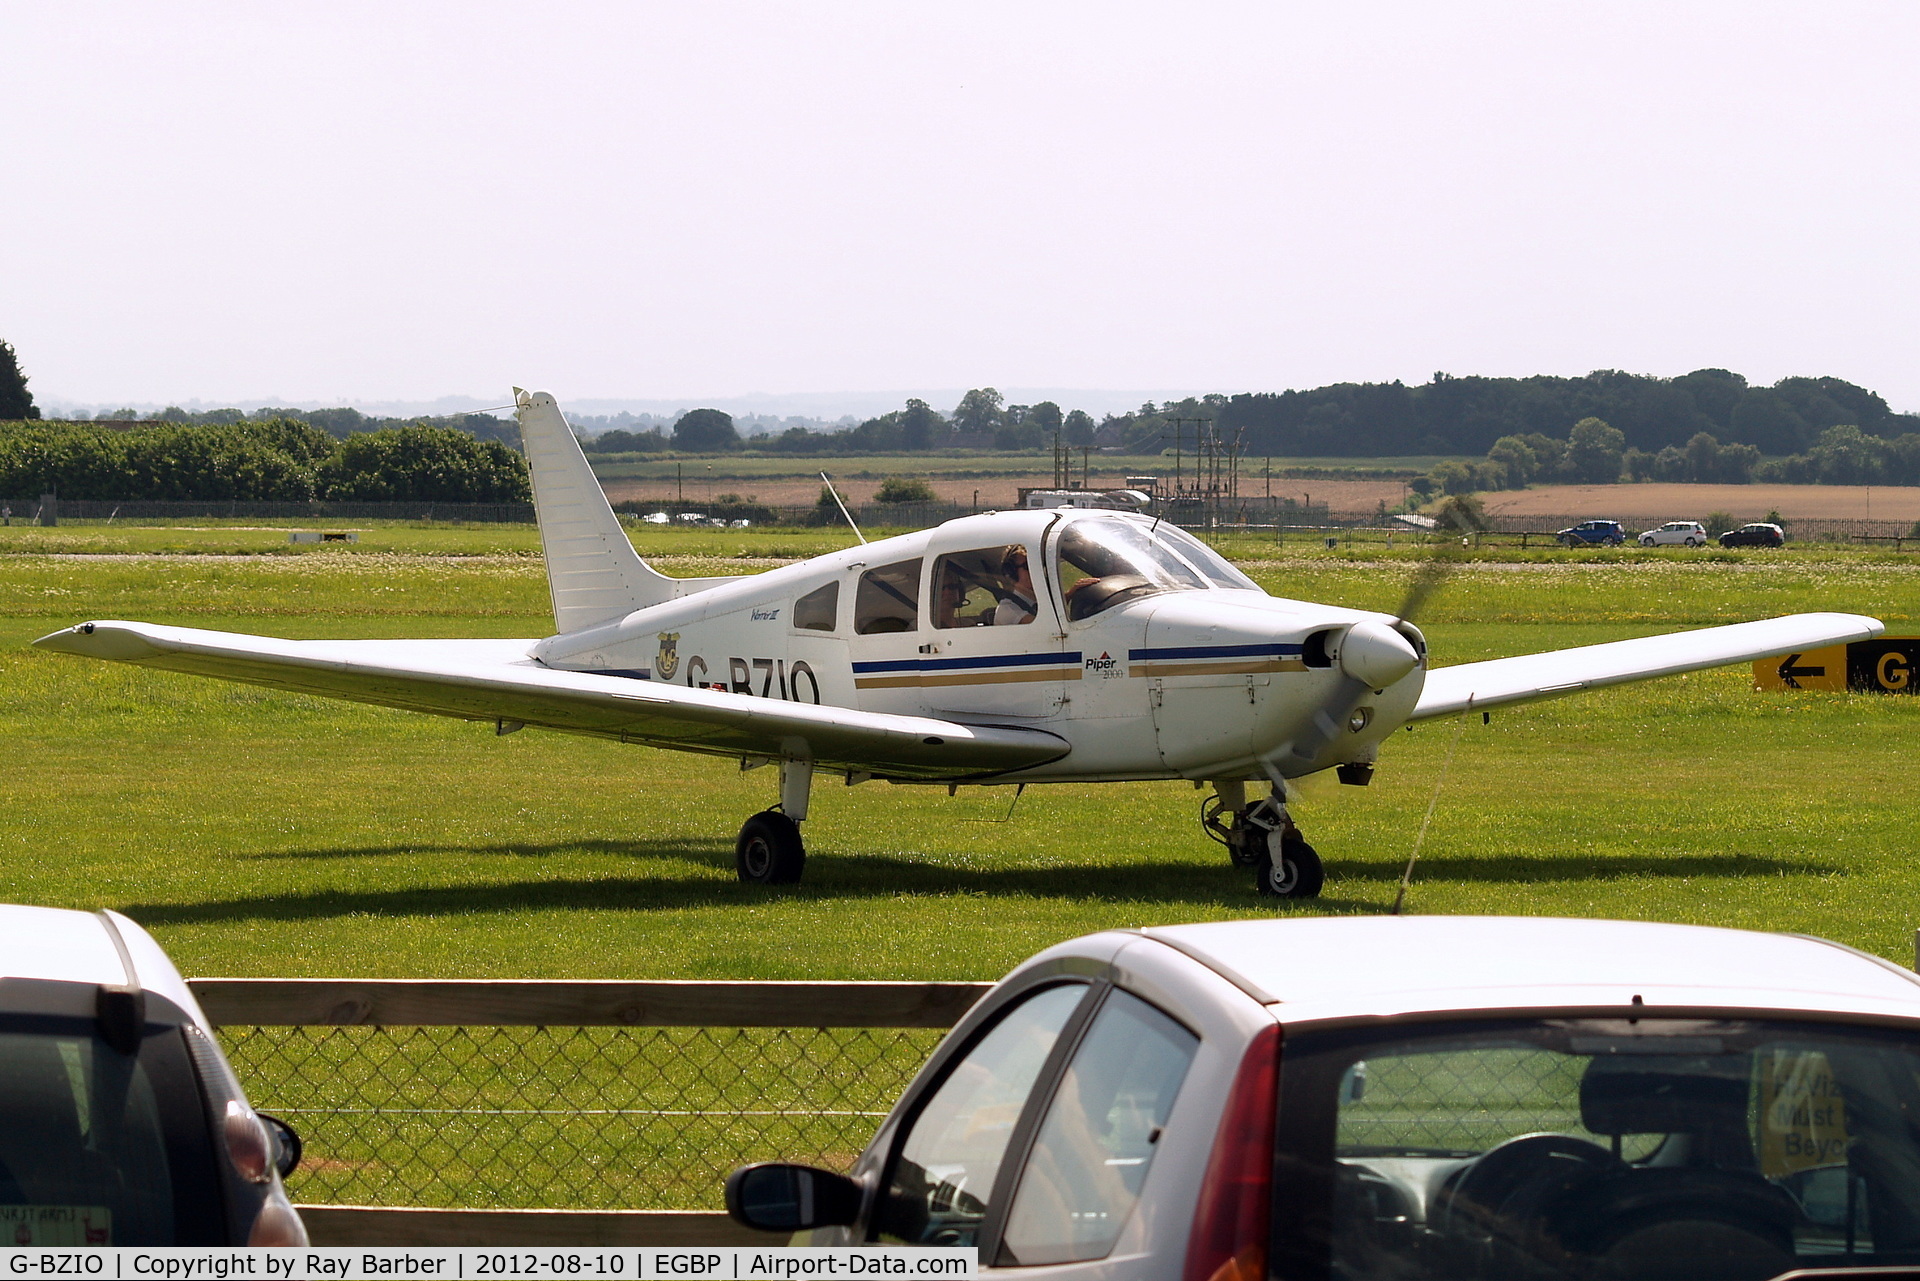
(593, 572)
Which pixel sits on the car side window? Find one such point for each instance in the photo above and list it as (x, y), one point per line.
(943, 1175)
(987, 587)
(1103, 1125)
(888, 599)
(818, 609)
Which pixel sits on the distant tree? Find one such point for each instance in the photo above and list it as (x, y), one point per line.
(1078, 427)
(1462, 512)
(705, 431)
(1845, 455)
(424, 464)
(979, 410)
(917, 424)
(1517, 458)
(1672, 464)
(1718, 523)
(1045, 418)
(905, 489)
(1703, 458)
(1594, 452)
(16, 402)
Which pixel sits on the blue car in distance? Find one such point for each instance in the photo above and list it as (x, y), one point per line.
(1593, 533)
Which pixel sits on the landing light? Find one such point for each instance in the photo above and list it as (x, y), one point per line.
(1361, 718)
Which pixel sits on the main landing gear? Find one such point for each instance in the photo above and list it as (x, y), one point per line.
(1262, 836)
(769, 851)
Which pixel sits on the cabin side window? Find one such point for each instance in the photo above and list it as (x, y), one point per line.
(988, 587)
(888, 599)
(819, 609)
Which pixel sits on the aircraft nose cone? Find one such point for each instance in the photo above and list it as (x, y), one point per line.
(1376, 655)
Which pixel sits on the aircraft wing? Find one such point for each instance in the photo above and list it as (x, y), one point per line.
(495, 680)
(1499, 682)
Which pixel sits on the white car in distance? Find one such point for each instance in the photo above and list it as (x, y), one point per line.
(1407, 1097)
(120, 1121)
(1676, 533)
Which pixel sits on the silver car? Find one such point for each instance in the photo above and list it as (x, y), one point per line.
(120, 1120)
(1406, 1097)
(1676, 533)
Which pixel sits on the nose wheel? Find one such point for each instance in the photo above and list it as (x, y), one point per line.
(1261, 836)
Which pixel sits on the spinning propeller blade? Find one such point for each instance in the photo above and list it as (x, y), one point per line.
(1369, 656)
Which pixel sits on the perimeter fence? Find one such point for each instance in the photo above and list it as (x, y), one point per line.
(570, 1095)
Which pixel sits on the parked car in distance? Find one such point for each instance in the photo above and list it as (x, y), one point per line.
(1676, 533)
(120, 1121)
(1407, 1097)
(1594, 533)
(1758, 534)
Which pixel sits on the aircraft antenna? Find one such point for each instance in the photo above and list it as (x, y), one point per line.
(1406, 877)
(843, 509)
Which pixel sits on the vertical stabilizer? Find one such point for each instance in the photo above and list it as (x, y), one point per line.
(592, 570)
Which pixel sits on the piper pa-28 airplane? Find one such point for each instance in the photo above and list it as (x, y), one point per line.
(1031, 646)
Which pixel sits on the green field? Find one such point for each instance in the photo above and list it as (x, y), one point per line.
(264, 834)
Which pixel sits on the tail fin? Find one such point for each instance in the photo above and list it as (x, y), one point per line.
(592, 570)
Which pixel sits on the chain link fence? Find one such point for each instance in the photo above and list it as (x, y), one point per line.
(637, 1103)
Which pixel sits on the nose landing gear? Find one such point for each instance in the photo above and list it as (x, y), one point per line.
(1262, 836)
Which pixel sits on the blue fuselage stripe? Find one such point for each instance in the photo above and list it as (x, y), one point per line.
(1216, 651)
(961, 664)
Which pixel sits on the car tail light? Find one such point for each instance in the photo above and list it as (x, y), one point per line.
(1231, 1223)
(248, 1145)
(277, 1224)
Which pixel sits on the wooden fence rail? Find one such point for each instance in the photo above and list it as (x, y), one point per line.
(563, 1003)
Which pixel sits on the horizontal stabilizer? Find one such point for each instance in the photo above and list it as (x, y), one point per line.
(495, 680)
(1473, 687)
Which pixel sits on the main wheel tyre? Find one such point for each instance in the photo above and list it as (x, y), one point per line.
(769, 851)
(1289, 869)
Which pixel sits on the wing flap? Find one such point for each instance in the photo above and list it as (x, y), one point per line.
(496, 680)
(1472, 687)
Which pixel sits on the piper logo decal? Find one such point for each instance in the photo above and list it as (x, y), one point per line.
(1106, 667)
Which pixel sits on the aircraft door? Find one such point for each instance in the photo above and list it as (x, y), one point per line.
(992, 647)
(887, 635)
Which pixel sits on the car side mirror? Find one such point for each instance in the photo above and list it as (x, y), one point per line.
(776, 1197)
(286, 1144)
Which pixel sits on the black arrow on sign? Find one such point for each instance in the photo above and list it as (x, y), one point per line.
(1788, 671)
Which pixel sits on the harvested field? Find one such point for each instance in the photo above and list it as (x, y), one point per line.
(1655, 503)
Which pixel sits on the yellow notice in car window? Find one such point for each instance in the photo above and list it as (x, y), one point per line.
(27, 1225)
(1803, 1119)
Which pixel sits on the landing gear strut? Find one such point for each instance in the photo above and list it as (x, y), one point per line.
(1262, 836)
(770, 851)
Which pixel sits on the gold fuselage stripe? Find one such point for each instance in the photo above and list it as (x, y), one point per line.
(917, 680)
(1228, 668)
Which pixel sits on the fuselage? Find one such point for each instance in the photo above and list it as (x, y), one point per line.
(1141, 647)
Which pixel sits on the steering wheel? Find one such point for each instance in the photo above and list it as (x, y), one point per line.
(1501, 1192)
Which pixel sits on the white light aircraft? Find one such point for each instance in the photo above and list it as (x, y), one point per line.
(1032, 646)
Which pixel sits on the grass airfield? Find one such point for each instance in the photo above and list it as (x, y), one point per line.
(259, 833)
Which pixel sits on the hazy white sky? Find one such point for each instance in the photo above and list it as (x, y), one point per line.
(375, 201)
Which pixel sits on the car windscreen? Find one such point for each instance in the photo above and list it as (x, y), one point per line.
(98, 1147)
(1103, 561)
(1598, 1148)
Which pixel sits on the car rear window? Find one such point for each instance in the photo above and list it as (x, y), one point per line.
(1591, 1148)
(99, 1147)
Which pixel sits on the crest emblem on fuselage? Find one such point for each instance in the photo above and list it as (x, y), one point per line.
(669, 660)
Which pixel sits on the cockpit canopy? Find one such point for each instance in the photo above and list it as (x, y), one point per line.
(1105, 561)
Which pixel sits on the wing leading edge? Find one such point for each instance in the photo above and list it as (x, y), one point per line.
(494, 680)
(1472, 687)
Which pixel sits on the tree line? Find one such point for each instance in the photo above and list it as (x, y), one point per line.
(1597, 453)
(275, 460)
